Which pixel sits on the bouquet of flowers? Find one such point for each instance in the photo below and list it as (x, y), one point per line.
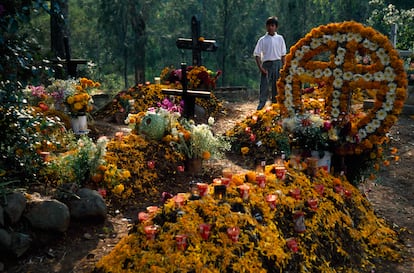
(197, 76)
(79, 102)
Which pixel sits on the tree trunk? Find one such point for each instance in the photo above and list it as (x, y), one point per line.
(58, 30)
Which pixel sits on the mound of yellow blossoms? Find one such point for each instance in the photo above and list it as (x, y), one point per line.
(314, 224)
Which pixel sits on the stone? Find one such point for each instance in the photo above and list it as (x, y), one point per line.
(1, 216)
(90, 205)
(15, 205)
(20, 243)
(50, 215)
(5, 239)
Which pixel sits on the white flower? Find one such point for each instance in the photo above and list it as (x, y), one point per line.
(392, 86)
(326, 38)
(370, 128)
(299, 54)
(340, 51)
(389, 74)
(327, 72)
(337, 83)
(357, 77)
(288, 88)
(376, 123)
(388, 105)
(318, 73)
(366, 43)
(367, 77)
(347, 76)
(390, 95)
(210, 121)
(362, 134)
(300, 71)
(316, 42)
(337, 73)
(373, 46)
(378, 76)
(338, 60)
(305, 48)
(335, 112)
(336, 94)
(381, 114)
(294, 63)
(335, 102)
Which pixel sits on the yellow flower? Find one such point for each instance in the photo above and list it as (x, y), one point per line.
(245, 150)
(118, 189)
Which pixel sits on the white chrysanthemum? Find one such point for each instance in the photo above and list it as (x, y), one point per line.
(389, 74)
(385, 60)
(392, 86)
(387, 105)
(300, 71)
(335, 102)
(292, 70)
(288, 95)
(381, 53)
(390, 96)
(288, 88)
(337, 73)
(318, 73)
(327, 72)
(367, 77)
(289, 78)
(335, 112)
(326, 38)
(353, 36)
(211, 121)
(376, 123)
(340, 51)
(366, 43)
(174, 132)
(370, 128)
(373, 46)
(338, 60)
(347, 75)
(316, 120)
(338, 82)
(299, 54)
(316, 42)
(378, 76)
(294, 63)
(362, 134)
(381, 114)
(336, 94)
(357, 77)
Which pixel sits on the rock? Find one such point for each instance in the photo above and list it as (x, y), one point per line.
(1, 216)
(20, 243)
(89, 205)
(15, 205)
(5, 239)
(49, 215)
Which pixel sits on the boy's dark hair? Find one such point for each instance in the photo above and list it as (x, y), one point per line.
(272, 20)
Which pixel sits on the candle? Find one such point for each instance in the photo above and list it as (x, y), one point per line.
(313, 203)
(233, 233)
(348, 193)
(150, 231)
(225, 181)
(205, 230)
(292, 244)
(45, 156)
(143, 216)
(244, 191)
(227, 173)
(280, 172)
(271, 200)
(151, 164)
(299, 221)
(320, 189)
(179, 200)
(152, 209)
(181, 240)
(202, 189)
(261, 180)
(219, 191)
(295, 193)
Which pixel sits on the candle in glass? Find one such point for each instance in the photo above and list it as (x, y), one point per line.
(150, 231)
(181, 240)
(233, 233)
(295, 193)
(271, 200)
(202, 189)
(313, 204)
(244, 191)
(261, 180)
(205, 230)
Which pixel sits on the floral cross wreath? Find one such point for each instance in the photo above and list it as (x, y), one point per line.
(345, 57)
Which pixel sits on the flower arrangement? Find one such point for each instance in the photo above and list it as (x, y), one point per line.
(359, 59)
(79, 102)
(197, 76)
(337, 221)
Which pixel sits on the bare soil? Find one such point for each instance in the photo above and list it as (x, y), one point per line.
(392, 197)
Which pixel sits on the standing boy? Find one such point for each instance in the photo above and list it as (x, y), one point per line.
(270, 54)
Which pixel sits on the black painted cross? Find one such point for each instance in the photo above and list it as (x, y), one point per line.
(197, 44)
(71, 64)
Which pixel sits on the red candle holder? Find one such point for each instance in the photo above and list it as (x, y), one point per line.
(313, 204)
(143, 216)
(320, 189)
(202, 189)
(205, 231)
(299, 221)
(261, 180)
(292, 244)
(280, 172)
(181, 240)
(225, 181)
(227, 173)
(233, 233)
(347, 193)
(339, 189)
(244, 191)
(150, 232)
(45, 156)
(271, 200)
(295, 193)
(179, 200)
(152, 209)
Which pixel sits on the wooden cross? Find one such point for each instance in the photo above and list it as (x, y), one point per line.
(71, 64)
(196, 43)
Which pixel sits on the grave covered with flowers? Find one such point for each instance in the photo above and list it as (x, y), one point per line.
(288, 214)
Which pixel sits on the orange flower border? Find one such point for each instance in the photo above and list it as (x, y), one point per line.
(343, 74)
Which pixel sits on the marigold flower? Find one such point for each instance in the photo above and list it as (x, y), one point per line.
(244, 150)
